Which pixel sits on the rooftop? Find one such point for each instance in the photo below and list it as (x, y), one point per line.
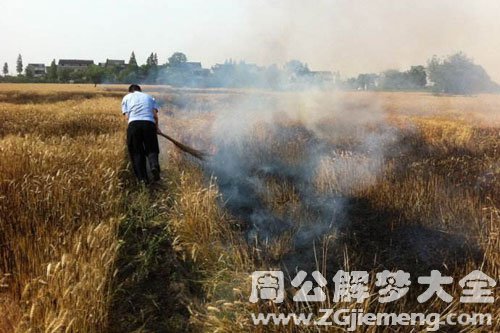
(75, 62)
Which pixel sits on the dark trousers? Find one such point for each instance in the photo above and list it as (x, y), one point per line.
(142, 143)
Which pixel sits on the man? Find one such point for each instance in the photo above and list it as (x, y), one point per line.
(141, 111)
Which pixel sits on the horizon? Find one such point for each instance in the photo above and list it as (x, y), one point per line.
(333, 36)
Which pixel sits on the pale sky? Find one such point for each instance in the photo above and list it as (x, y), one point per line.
(351, 36)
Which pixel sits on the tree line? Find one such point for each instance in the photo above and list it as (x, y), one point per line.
(455, 74)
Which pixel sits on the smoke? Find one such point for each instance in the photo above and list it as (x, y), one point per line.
(365, 36)
(284, 163)
(353, 36)
(288, 164)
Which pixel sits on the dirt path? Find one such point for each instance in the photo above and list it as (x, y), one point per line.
(150, 283)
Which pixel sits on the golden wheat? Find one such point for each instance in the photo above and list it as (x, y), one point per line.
(64, 204)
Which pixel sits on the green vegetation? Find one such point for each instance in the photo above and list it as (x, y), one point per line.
(19, 65)
(455, 74)
(458, 74)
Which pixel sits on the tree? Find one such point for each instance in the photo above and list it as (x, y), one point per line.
(458, 74)
(132, 63)
(128, 77)
(19, 65)
(366, 81)
(149, 71)
(95, 74)
(151, 60)
(177, 59)
(52, 71)
(296, 67)
(63, 75)
(417, 76)
(272, 77)
(29, 72)
(77, 76)
(393, 79)
(131, 73)
(5, 69)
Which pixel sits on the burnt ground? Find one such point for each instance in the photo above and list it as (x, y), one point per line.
(374, 237)
(379, 241)
(384, 238)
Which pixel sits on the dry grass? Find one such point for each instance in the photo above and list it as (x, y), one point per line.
(59, 211)
(431, 204)
(81, 250)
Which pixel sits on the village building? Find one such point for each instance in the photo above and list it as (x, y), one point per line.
(74, 64)
(193, 68)
(113, 63)
(37, 70)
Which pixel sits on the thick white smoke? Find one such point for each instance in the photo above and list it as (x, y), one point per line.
(322, 147)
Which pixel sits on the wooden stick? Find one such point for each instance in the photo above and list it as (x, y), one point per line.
(191, 151)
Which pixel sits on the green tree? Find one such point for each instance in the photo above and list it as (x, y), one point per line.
(296, 67)
(77, 76)
(63, 75)
(366, 81)
(149, 71)
(177, 59)
(417, 76)
(393, 79)
(29, 72)
(458, 74)
(112, 74)
(5, 69)
(95, 74)
(132, 63)
(19, 65)
(52, 71)
(131, 73)
(150, 61)
(129, 77)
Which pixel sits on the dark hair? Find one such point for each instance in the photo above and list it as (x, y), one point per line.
(134, 87)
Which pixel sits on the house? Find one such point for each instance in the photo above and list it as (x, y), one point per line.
(230, 66)
(113, 63)
(38, 70)
(192, 68)
(188, 66)
(222, 68)
(74, 64)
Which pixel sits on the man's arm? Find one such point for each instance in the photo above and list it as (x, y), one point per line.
(125, 108)
(155, 115)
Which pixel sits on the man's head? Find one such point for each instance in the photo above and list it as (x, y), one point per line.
(134, 88)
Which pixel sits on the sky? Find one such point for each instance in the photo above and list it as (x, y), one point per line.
(351, 36)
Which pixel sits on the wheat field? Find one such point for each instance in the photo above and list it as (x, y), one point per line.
(313, 181)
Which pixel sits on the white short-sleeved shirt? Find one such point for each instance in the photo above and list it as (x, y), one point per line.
(139, 106)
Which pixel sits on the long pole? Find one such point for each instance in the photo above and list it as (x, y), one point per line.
(191, 151)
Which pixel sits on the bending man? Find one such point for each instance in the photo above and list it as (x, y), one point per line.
(141, 111)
